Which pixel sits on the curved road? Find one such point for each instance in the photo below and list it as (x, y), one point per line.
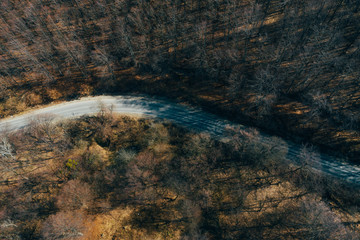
(186, 116)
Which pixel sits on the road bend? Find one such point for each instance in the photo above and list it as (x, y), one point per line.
(189, 117)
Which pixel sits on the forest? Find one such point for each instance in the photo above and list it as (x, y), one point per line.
(286, 66)
(117, 177)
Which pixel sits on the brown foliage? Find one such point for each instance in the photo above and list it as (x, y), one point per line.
(63, 225)
(142, 177)
(249, 55)
(174, 185)
(75, 195)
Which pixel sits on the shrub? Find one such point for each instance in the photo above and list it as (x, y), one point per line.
(123, 157)
(94, 159)
(74, 195)
(63, 225)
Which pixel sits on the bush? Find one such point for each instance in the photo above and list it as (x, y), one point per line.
(63, 225)
(74, 195)
(123, 157)
(94, 159)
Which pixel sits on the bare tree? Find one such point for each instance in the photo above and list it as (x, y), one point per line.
(320, 222)
(266, 88)
(74, 195)
(143, 180)
(63, 225)
(8, 163)
(250, 21)
(105, 64)
(18, 46)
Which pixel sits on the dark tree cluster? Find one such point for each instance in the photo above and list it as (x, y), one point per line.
(264, 57)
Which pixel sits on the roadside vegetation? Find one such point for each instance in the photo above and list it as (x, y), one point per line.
(117, 177)
(287, 66)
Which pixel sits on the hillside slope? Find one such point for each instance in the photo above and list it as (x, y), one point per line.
(287, 66)
(109, 176)
(191, 118)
